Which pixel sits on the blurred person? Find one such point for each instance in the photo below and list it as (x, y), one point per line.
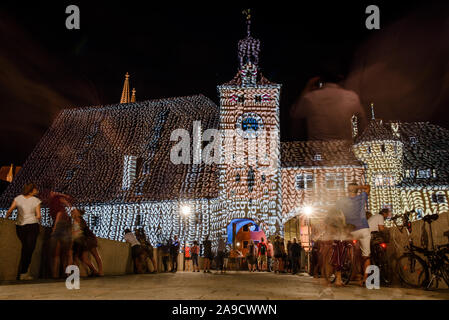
(148, 248)
(270, 255)
(353, 208)
(137, 253)
(295, 249)
(377, 222)
(289, 256)
(81, 246)
(207, 254)
(27, 225)
(220, 254)
(165, 248)
(251, 256)
(174, 252)
(277, 254)
(195, 254)
(368, 215)
(61, 236)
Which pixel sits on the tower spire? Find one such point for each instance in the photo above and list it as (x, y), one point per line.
(249, 47)
(133, 96)
(125, 92)
(372, 111)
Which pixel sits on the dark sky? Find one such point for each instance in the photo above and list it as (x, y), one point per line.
(182, 50)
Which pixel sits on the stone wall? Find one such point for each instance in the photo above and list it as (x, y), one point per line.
(116, 255)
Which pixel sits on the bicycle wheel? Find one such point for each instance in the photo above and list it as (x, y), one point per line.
(382, 262)
(346, 271)
(412, 270)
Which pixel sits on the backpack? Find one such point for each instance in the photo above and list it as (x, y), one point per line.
(263, 249)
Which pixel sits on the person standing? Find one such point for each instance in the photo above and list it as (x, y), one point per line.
(137, 254)
(207, 253)
(251, 256)
(277, 255)
(187, 257)
(195, 250)
(61, 236)
(27, 225)
(270, 255)
(174, 251)
(353, 208)
(148, 248)
(165, 248)
(262, 256)
(220, 255)
(289, 256)
(295, 249)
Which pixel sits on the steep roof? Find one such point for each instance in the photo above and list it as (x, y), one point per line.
(425, 146)
(376, 130)
(83, 153)
(332, 153)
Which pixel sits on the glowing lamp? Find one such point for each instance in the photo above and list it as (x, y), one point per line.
(308, 210)
(185, 210)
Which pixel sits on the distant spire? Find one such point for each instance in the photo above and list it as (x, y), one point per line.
(372, 111)
(249, 47)
(10, 174)
(133, 96)
(125, 92)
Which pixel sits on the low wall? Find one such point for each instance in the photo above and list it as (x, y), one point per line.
(420, 232)
(116, 255)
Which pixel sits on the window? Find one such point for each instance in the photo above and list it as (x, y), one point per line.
(438, 198)
(258, 98)
(95, 221)
(264, 178)
(69, 174)
(245, 244)
(245, 228)
(138, 220)
(412, 173)
(241, 98)
(368, 150)
(237, 177)
(382, 148)
(335, 180)
(129, 171)
(413, 140)
(384, 180)
(251, 178)
(304, 181)
(317, 157)
(424, 173)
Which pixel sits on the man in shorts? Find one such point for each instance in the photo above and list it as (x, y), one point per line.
(353, 208)
(262, 258)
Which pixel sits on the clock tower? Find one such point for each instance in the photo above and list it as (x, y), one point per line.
(250, 175)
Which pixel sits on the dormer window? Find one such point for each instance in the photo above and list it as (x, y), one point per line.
(317, 157)
(413, 140)
(424, 173)
(438, 198)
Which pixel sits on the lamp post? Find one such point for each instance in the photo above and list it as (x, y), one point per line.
(308, 212)
(185, 212)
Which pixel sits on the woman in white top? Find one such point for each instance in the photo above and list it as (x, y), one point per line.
(27, 225)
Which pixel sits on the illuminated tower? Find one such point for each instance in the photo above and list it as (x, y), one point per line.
(250, 159)
(380, 148)
(125, 91)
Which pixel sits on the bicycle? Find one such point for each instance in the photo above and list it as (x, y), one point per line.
(379, 257)
(339, 257)
(413, 270)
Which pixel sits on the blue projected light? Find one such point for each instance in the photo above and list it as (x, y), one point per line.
(249, 125)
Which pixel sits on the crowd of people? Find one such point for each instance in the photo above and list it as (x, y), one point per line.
(71, 241)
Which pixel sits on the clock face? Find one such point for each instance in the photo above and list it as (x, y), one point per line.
(249, 125)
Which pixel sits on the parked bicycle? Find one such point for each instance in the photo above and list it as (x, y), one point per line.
(415, 271)
(379, 257)
(340, 257)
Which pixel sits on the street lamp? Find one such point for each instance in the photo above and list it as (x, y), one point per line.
(185, 211)
(308, 211)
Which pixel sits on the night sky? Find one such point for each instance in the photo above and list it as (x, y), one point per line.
(184, 50)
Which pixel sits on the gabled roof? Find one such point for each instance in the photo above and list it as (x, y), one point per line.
(303, 154)
(83, 153)
(425, 146)
(376, 130)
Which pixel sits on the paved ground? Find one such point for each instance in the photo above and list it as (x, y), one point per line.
(183, 285)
